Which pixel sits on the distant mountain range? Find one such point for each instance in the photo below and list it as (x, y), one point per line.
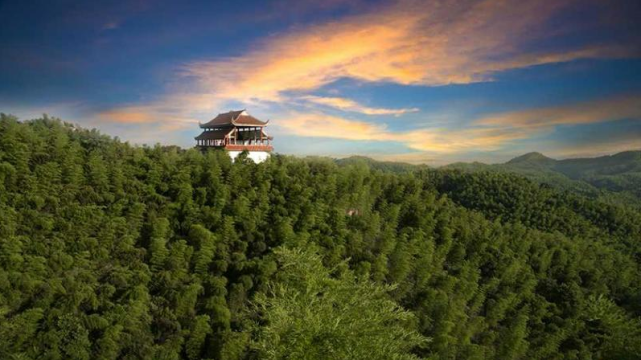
(612, 178)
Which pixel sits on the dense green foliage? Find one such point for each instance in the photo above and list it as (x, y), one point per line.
(309, 314)
(113, 251)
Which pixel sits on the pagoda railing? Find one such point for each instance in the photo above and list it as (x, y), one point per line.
(239, 147)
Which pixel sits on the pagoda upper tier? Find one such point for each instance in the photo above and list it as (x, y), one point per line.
(235, 131)
(233, 118)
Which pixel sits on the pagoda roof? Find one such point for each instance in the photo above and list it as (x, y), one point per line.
(213, 135)
(234, 118)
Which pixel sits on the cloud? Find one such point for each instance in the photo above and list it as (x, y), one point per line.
(131, 115)
(438, 140)
(426, 43)
(408, 42)
(423, 43)
(351, 105)
(158, 117)
(612, 146)
(617, 108)
(486, 134)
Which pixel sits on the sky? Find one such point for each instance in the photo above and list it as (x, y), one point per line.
(429, 82)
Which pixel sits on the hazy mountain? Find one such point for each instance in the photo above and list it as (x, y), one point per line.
(613, 177)
(533, 158)
(621, 163)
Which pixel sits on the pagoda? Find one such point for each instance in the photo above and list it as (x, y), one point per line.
(236, 131)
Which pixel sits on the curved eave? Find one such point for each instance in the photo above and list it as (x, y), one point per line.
(258, 125)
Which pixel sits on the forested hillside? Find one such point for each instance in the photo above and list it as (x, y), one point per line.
(112, 251)
(612, 179)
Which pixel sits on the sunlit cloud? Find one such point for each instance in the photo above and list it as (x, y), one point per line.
(131, 115)
(161, 117)
(617, 108)
(486, 134)
(598, 149)
(429, 140)
(351, 105)
(424, 43)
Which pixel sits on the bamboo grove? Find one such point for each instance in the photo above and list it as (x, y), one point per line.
(114, 251)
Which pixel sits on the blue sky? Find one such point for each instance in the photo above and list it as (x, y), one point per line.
(416, 81)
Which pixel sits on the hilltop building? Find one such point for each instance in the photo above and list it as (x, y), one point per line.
(237, 131)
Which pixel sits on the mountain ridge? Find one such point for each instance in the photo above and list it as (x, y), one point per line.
(531, 157)
(614, 178)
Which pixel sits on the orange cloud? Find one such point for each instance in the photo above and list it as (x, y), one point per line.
(408, 42)
(160, 117)
(485, 134)
(591, 150)
(624, 107)
(127, 116)
(351, 105)
(429, 140)
(426, 43)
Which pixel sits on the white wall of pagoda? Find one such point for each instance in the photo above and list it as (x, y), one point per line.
(256, 156)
